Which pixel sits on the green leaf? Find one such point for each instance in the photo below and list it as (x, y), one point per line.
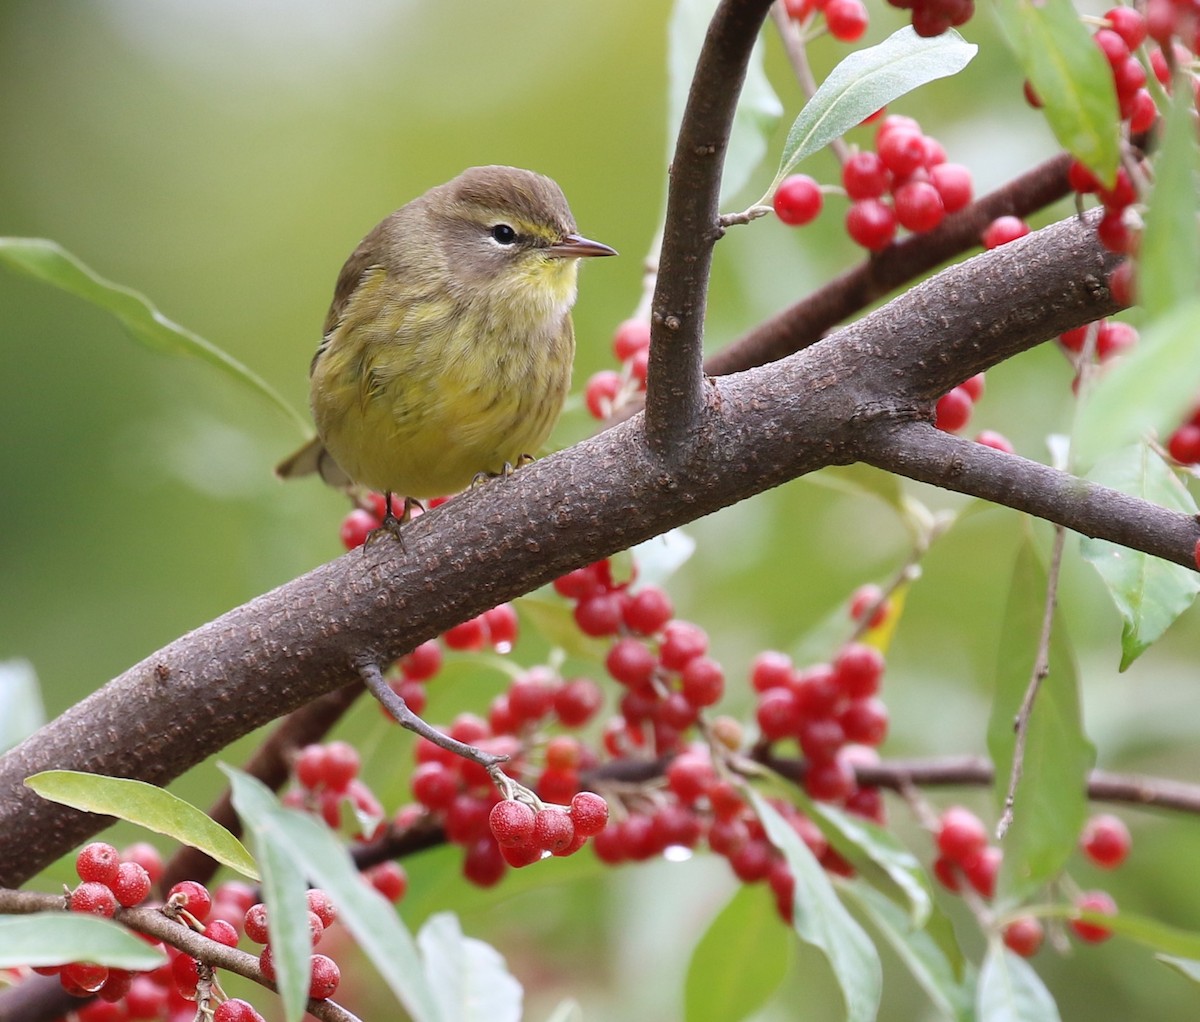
(1010, 991)
(325, 862)
(56, 938)
(1188, 968)
(1169, 253)
(738, 963)
(284, 886)
(1051, 798)
(1149, 593)
(758, 108)
(866, 81)
(148, 806)
(868, 846)
(51, 264)
(21, 709)
(1146, 391)
(923, 956)
(821, 920)
(567, 1011)
(1067, 70)
(468, 977)
(551, 618)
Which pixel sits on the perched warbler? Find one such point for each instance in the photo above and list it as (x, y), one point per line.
(447, 350)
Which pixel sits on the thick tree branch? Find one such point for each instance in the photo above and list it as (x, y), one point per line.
(859, 395)
(675, 383)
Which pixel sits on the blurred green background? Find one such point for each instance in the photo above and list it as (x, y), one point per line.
(224, 158)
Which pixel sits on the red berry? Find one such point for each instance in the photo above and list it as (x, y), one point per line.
(829, 780)
(1113, 338)
(981, 868)
(434, 785)
(1024, 935)
(83, 978)
(864, 176)
(948, 873)
(847, 19)
(98, 861)
(356, 527)
(553, 830)
(389, 879)
(689, 776)
(501, 624)
(647, 611)
(322, 904)
(589, 812)
(631, 337)
(577, 702)
(868, 803)
(94, 898)
(817, 692)
(1106, 841)
(631, 663)
(798, 198)
(702, 681)
(864, 599)
(531, 695)
(192, 896)
(423, 662)
(1002, 230)
(467, 635)
(309, 767)
(601, 392)
(975, 386)
(1184, 444)
(1094, 901)
(325, 978)
(256, 924)
(234, 1010)
(484, 865)
(185, 970)
(600, 615)
(1122, 284)
(871, 224)
(682, 642)
(132, 885)
(340, 765)
(222, 932)
(919, 206)
(511, 822)
(1121, 194)
(820, 738)
(953, 410)
(1145, 112)
(962, 834)
(858, 670)
(770, 670)
(998, 441)
(865, 721)
(902, 151)
(953, 183)
(1128, 24)
(777, 714)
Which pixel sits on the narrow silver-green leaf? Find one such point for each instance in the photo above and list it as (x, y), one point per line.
(1149, 593)
(1147, 391)
(758, 108)
(821, 920)
(738, 963)
(372, 922)
(1055, 51)
(567, 1011)
(1010, 991)
(1051, 799)
(148, 806)
(468, 977)
(869, 846)
(866, 81)
(924, 958)
(1187, 967)
(284, 886)
(56, 938)
(21, 709)
(50, 263)
(1169, 253)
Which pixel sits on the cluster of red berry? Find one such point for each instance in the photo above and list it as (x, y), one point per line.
(954, 408)
(846, 20)
(110, 880)
(906, 166)
(608, 390)
(965, 855)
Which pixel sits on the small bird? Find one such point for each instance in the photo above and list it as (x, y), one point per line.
(447, 349)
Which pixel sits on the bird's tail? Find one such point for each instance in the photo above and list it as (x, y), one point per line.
(313, 458)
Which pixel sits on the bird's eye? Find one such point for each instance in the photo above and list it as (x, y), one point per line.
(503, 234)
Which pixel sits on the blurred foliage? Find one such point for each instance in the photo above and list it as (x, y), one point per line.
(223, 159)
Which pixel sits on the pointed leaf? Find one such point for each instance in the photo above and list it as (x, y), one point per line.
(738, 963)
(468, 977)
(1068, 72)
(370, 919)
(56, 938)
(1187, 967)
(866, 81)
(1051, 799)
(1010, 991)
(923, 956)
(148, 806)
(51, 264)
(1169, 253)
(284, 886)
(867, 845)
(821, 920)
(1150, 593)
(758, 108)
(1148, 391)
(21, 710)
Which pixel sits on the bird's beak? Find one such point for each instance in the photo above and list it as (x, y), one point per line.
(575, 246)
